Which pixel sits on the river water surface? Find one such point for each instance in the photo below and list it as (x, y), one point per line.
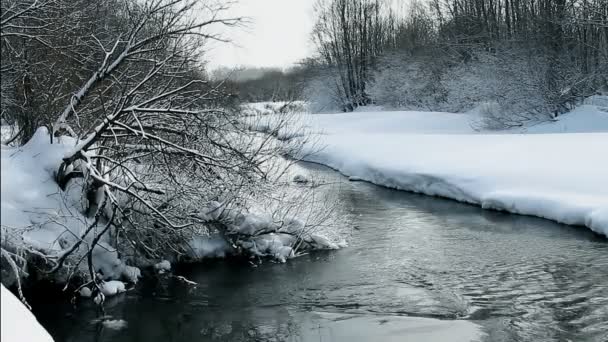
(417, 268)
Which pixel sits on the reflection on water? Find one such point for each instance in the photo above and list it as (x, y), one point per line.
(418, 268)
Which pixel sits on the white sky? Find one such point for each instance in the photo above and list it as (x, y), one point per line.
(278, 34)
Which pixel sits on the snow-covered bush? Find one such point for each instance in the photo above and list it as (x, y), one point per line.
(322, 95)
(40, 220)
(513, 81)
(279, 224)
(407, 82)
(506, 87)
(294, 107)
(491, 116)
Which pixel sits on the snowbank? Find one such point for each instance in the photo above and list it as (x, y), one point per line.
(584, 119)
(560, 172)
(18, 323)
(163, 266)
(258, 234)
(37, 214)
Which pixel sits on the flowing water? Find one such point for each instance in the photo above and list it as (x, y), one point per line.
(417, 269)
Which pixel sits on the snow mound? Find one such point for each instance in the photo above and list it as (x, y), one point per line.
(213, 246)
(163, 266)
(560, 172)
(280, 241)
(85, 292)
(107, 288)
(259, 235)
(112, 287)
(18, 323)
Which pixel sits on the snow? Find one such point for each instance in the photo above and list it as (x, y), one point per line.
(163, 266)
(556, 170)
(112, 287)
(300, 179)
(277, 240)
(107, 288)
(18, 323)
(391, 123)
(266, 108)
(29, 192)
(583, 119)
(322, 241)
(131, 274)
(213, 246)
(85, 292)
(36, 213)
(258, 233)
(7, 132)
(115, 324)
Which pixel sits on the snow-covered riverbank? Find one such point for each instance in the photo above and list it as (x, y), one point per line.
(556, 170)
(18, 323)
(39, 217)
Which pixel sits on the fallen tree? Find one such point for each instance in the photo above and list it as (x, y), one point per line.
(161, 156)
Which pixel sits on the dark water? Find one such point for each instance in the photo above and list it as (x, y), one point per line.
(417, 269)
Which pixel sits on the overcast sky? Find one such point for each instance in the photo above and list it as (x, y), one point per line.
(278, 34)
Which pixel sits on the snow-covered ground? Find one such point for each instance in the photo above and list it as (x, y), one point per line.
(556, 170)
(18, 323)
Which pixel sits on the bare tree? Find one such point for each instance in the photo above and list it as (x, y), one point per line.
(157, 143)
(161, 154)
(350, 35)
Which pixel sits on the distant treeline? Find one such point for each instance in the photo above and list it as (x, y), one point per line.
(254, 84)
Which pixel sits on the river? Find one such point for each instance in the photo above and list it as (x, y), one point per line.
(417, 268)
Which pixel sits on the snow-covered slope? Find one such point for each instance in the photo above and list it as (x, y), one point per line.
(36, 214)
(18, 323)
(584, 119)
(30, 199)
(559, 173)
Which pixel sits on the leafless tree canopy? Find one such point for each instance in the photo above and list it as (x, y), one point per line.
(370, 47)
(349, 36)
(162, 153)
(253, 84)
